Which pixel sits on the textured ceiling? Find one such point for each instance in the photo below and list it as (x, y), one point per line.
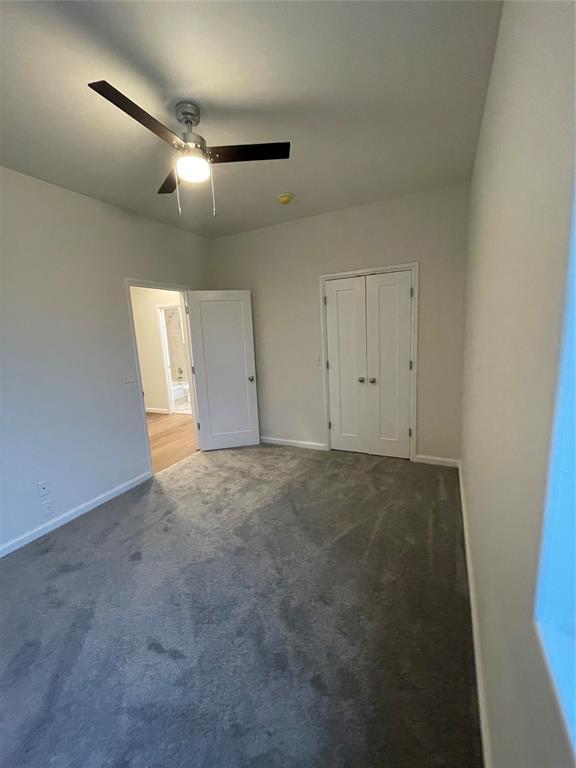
(377, 98)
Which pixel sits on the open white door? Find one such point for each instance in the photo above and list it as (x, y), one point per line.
(224, 369)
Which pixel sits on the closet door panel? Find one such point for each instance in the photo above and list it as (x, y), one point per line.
(346, 330)
(388, 305)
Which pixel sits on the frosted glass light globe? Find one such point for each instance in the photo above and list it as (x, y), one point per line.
(193, 168)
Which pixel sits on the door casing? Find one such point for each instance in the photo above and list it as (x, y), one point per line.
(409, 267)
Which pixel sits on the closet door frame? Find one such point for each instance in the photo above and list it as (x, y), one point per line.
(409, 267)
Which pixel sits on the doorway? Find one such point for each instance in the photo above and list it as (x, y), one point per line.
(369, 320)
(164, 358)
(194, 357)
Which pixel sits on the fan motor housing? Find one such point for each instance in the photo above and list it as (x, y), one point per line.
(194, 141)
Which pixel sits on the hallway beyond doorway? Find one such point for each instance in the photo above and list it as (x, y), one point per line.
(172, 438)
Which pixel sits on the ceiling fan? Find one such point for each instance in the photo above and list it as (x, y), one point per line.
(196, 158)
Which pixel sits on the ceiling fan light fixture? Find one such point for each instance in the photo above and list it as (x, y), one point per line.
(196, 161)
(193, 167)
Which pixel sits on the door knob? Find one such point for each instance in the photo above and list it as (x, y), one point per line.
(372, 380)
(361, 379)
(250, 378)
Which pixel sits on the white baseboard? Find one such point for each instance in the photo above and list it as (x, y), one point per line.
(422, 459)
(482, 707)
(439, 460)
(66, 517)
(295, 443)
(157, 410)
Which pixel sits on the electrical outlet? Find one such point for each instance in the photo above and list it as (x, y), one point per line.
(47, 507)
(43, 488)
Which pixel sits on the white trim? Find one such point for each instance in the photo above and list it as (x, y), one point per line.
(371, 271)
(439, 460)
(66, 517)
(412, 267)
(158, 410)
(480, 678)
(137, 283)
(295, 443)
(189, 360)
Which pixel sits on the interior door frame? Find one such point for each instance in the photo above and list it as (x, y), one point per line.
(135, 282)
(413, 268)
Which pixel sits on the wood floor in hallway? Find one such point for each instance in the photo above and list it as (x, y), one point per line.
(172, 438)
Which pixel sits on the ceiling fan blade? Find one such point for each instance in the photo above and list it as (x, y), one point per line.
(130, 108)
(169, 184)
(239, 153)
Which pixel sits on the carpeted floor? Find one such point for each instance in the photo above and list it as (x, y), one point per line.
(265, 607)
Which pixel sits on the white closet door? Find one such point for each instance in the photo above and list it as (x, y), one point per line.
(223, 352)
(346, 326)
(388, 302)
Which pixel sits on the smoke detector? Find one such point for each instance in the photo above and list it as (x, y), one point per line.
(285, 197)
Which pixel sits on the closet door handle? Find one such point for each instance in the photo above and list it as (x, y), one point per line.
(372, 380)
(361, 379)
(250, 378)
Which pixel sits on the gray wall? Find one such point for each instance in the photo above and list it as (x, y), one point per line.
(520, 212)
(282, 264)
(67, 415)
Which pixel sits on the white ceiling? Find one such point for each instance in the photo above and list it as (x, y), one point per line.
(377, 98)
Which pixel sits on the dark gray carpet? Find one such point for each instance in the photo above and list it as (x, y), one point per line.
(266, 607)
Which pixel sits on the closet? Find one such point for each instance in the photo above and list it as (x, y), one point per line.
(368, 322)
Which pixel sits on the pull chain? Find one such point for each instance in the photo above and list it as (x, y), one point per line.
(213, 193)
(177, 188)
